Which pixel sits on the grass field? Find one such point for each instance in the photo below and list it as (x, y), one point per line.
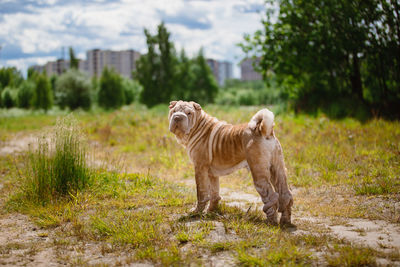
(345, 176)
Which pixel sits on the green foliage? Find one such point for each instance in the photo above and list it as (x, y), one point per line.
(73, 90)
(195, 81)
(202, 88)
(53, 82)
(58, 166)
(10, 76)
(156, 70)
(73, 61)
(165, 76)
(25, 93)
(132, 90)
(7, 99)
(31, 73)
(111, 92)
(249, 93)
(342, 57)
(42, 97)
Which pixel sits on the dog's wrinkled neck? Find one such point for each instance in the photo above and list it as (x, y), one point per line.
(202, 127)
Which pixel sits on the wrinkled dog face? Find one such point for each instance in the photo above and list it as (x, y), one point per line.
(182, 116)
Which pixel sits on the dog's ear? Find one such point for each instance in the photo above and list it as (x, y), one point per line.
(172, 104)
(196, 105)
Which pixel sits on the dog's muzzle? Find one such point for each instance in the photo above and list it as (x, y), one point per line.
(179, 120)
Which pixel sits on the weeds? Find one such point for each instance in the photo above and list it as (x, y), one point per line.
(59, 165)
(351, 256)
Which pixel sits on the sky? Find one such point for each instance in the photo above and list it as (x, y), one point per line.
(34, 32)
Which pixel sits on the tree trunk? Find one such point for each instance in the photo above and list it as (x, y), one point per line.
(356, 84)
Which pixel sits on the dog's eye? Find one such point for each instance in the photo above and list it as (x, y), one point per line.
(189, 113)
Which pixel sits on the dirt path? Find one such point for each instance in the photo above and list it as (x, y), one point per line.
(18, 144)
(377, 234)
(23, 244)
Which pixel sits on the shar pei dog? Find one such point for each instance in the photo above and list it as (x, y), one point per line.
(217, 148)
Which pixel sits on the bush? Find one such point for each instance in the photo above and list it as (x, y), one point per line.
(111, 93)
(58, 166)
(7, 98)
(43, 97)
(73, 89)
(250, 93)
(132, 89)
(249, 96)
(25, 94)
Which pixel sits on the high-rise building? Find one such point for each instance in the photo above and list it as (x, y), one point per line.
(214, 67)
(221, 70)
(54, 67)
(127, 63)
(248, 73)
(225, 72)
(124, 62)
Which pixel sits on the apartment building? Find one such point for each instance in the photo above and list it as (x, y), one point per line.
(124, 62)
(248, 73)
(221, 70)
(225, 72)
(56, 67)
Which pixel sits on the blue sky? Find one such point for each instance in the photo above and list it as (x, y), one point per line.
(34, 32)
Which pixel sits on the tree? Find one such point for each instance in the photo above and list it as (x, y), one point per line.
(43, 97)
(25, 93)
(73, 90)
(6, 98)
(73, 61)
(31, 73)
(10, 76)
(131, 89)
(111, 93)
(203, 88)
(333, 53)
(156, 70)
(184, 77)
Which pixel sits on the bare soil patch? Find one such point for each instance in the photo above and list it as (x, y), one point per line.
(18, 144)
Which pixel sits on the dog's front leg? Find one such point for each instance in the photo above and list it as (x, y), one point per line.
(214, 191)
(202, 187)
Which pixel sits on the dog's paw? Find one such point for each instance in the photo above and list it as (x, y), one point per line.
(288, 226)
(195, 210)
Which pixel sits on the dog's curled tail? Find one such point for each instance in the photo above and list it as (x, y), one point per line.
(263, 122)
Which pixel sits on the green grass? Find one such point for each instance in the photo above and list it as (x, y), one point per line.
(352, 256)
(57, 167)
(140, 209)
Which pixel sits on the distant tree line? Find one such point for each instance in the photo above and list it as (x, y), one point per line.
(338, 56)
(161, 76)
(72, 89)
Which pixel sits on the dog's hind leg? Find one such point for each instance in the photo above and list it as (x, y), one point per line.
(279, 178)
(262, 181)
(214, 192)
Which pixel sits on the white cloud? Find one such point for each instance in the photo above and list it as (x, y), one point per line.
(24, 63)
(217, 26)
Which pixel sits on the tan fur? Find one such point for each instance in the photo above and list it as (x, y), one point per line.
(217, 148)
